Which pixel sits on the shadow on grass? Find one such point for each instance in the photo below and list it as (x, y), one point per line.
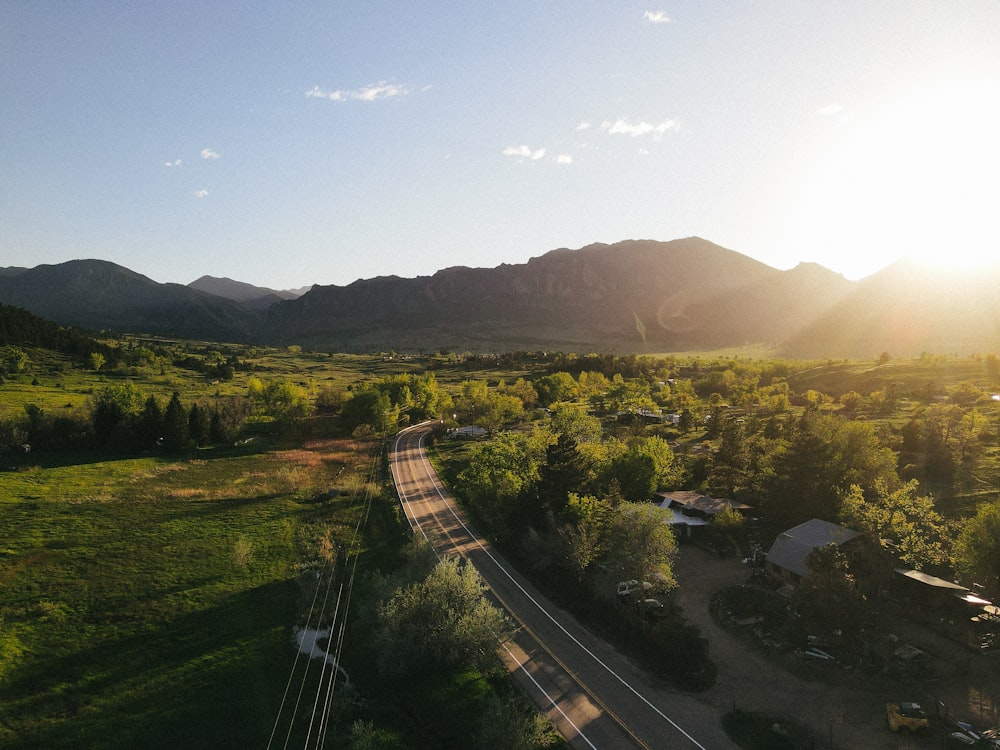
(210, 679)
(57, 459)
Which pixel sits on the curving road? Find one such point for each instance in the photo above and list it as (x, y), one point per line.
(593, 695)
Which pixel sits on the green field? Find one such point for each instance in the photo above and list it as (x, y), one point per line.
(149, 602)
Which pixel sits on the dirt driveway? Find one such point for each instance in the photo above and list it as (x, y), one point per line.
(843, 710)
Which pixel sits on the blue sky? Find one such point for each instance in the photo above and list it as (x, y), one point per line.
(286, 144)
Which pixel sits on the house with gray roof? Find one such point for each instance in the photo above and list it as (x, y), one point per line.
(786, 560)
(692, 510)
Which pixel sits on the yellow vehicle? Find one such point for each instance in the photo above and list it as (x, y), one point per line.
(906, 716)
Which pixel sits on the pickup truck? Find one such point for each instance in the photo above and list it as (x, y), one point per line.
(906, 715)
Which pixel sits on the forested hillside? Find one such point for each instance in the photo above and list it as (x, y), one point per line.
(19, 327)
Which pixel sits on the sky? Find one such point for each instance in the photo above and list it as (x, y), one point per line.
(292, 143)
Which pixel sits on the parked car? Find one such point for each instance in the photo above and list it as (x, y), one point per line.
(958, 740)
(630, 589)
(652, 609)
(906, 715)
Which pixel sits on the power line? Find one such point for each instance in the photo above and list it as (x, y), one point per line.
(362, 524)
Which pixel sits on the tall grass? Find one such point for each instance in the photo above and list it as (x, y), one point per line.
(148, 602)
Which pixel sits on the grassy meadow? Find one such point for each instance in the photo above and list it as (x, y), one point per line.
(149, 601)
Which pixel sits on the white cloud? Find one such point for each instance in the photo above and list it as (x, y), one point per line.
(200, 193)
(583, 125)
(622, 127)
(525, 152)
(564, 159)
(830, 110)
(380, 90)
(175, 163)
(207, 153)
(334, 96)
(657, 16)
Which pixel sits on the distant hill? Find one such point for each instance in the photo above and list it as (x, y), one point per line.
(906, 309)
(97, 295)
(19, 327)
(637, 295)
(629, 297)
(254, 297)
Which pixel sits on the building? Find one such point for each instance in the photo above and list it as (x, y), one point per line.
(691, 510)
(786, 560)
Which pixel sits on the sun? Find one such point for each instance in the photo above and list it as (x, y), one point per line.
(919, 179)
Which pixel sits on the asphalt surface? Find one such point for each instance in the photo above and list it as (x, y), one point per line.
(595, 696)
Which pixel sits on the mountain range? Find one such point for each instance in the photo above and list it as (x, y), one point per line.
(631, 296)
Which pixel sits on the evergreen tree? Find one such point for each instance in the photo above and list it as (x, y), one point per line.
(176, 432)
(150, 424)
(731, 463)
(565, 470)
(114, 412)
(217, 428)
(199, 426)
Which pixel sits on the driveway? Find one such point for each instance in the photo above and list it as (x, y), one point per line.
(843, 710)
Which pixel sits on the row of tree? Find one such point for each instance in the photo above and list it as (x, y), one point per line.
(123, 419)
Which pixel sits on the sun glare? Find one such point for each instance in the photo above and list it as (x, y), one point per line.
(919, 181)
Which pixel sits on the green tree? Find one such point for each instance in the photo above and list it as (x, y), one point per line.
(15, 360)
(899, 520)
(575, 422)
(499, 410)
(564, 471)
(366, 736)
(851, 400)
(279, 399)
(559, 386)
(976, 552)
(827, 597)
(508, 722)
(176, 431)
(200, 425)
(112, 413)
(12, 435)
(641, 545)
(370, 407)
(150, 424)
(442, 621)
(825, 456)
(523, 390)
(471, 402)
(634, 473)
(583, 535)
(629, 396)
(731, 462)
(500, 473)
(592, 384)
(665, 469)
(330, 400)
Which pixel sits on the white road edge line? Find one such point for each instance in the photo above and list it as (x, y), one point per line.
(559, 625)
(414, 523)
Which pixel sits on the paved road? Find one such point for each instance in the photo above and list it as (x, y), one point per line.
(595, 697)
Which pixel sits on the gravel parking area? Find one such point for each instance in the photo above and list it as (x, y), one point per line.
(844, 709)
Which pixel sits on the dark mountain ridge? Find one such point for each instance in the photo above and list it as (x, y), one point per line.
(98, 295)
(254, 297)
(629, 297)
